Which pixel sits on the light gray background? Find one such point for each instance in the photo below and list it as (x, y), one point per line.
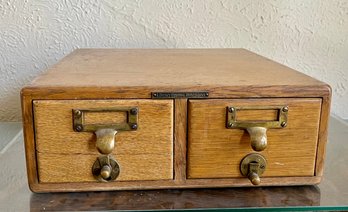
(310, 36)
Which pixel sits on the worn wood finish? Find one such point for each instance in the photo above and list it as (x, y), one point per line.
(257, 115)
(59, 168)
(215, 151)
(167, 184)
(134, 74)
(180, 139)
(105, 117)
(158, 68)
(29, 141)
(54, 128)
(323, 133)
(146, 153)
(252, 91)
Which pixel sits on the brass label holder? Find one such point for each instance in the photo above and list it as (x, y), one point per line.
(105, 168)
(131, 124)
(257, 129)
(281, 121)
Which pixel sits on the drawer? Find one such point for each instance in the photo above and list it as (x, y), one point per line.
(216, 151)
(65, 155)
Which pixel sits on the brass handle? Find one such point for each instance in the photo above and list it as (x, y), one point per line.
(257, 129)
(253, 166)
(258, 138)
(105, 168)
(105, 140)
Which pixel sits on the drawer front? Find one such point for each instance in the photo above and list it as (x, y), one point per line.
(65, 155)
(216, 151)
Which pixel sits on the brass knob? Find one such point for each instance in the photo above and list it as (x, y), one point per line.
(258, 138)
(105, 172)
(105, 140)
(253, 166)
(105, 168)
(254, 178)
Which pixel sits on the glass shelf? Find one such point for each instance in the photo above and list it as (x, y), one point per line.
(330, 194)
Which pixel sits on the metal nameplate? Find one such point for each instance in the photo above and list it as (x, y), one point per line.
(180, 95)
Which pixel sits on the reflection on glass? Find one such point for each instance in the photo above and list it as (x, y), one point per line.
(179, 199)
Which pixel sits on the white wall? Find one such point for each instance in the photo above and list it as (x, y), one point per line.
(310, 36)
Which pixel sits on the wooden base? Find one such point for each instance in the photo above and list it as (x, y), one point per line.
(169, 184)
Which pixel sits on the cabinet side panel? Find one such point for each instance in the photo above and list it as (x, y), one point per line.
(29, 140)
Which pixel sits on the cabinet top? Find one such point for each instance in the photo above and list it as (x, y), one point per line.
(171, 69)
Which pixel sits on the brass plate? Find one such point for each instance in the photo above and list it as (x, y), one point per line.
(253, 158)
(281, 122)
(102, 161)
(131, 124)
(180, 95)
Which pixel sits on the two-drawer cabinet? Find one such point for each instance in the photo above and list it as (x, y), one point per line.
(111, 119)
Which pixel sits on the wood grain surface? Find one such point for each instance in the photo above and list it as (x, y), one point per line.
(131, 75)
(323, 134)
(146, 153)
(180, 139)
(215, 151)
(135, 73)
(59, 168)
(158, 67)
(169, 184)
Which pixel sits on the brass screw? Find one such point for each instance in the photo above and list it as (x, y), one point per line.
(231, 109)
(285, 109)
(78, 128)
(134, 111)
(206, 94)
(283, 124)
(230, 124)
(78, 113)
(154, 95)
(134, 126)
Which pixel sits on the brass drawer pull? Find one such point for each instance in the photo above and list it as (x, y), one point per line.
(253, 166)
(105, 140)
(105, 168)
(257, 129)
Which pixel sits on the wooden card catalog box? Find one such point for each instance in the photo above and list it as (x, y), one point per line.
(112, 119)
